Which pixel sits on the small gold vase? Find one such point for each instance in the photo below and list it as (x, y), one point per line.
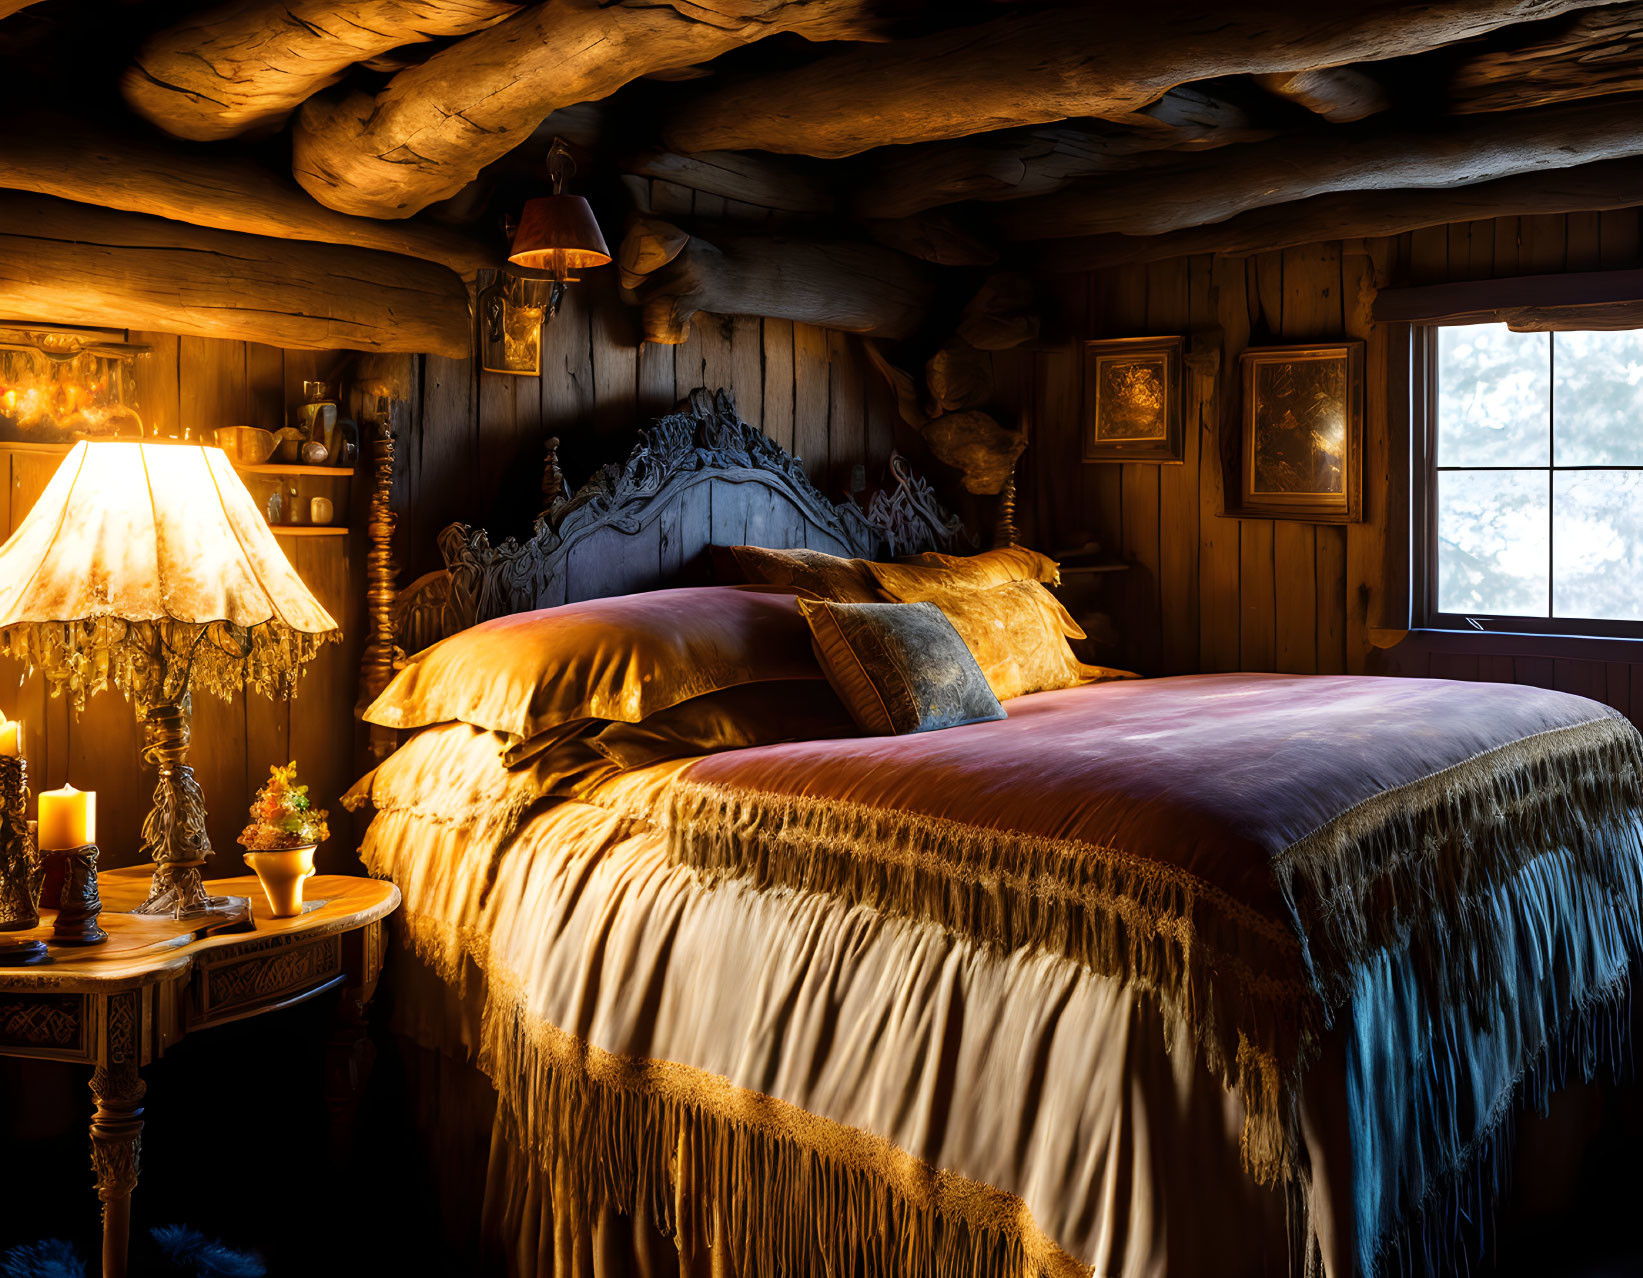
(282, 874)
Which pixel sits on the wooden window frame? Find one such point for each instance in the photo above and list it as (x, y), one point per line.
(1424, 520)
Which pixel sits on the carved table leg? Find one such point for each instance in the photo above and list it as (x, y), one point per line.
(349, 1056)
(350, 1052)
(116, 1130)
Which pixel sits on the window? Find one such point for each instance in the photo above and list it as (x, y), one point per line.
(1533, 505)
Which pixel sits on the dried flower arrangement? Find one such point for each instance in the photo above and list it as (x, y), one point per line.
(282, 816)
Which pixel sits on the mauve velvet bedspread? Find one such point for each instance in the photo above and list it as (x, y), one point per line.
(1264, 856)
(1022, 1064)
(1212, 774)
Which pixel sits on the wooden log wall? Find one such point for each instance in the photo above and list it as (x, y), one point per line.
(472, 451)
(1206, 593)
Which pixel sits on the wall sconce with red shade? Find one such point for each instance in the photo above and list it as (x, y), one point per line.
(557, 236)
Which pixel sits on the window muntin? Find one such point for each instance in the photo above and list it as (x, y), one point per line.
(1535, 476)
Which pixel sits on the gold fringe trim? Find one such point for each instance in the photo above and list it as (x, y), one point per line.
(1408, 865)
(1405, 865)
(710, 1163)
(1230, 976)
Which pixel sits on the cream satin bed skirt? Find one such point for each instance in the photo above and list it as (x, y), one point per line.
(1173, 1193)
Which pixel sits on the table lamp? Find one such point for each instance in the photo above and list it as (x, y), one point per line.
(148, 566)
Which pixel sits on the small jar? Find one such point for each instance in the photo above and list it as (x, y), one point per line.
(320, 511)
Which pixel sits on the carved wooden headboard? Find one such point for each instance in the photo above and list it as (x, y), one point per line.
(699, 476)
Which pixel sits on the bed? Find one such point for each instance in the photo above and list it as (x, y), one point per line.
(1205, 975)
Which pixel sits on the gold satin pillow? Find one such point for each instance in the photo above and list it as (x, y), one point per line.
(930, 575)
(1017, 632)
(823, 575)
(753, 715)
(620, 658)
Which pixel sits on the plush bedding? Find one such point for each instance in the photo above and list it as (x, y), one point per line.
(1064, 978)
(852, 1056)
(1239, 845)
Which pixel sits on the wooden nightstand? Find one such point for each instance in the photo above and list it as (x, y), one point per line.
(120, 1005)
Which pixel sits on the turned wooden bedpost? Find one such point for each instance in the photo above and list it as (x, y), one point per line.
(381, 578)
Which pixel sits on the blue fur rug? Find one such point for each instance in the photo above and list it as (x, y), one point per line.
(170, 1251)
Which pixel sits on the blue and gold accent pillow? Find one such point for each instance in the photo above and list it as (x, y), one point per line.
(899, 667)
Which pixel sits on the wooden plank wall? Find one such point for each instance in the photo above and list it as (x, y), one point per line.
(1205, 593)
(474, 453)
(476, 438)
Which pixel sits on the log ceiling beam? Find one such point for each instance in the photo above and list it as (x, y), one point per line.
(749, 179)
(436, 125)
(1234, 181)
(1338, 94)
(1060, 63)
(1599, 51)
(1612, 184)
(932, 237)
(249, 63)
(1022, 163)
(856, 288)
(76, 264)
(53, 156)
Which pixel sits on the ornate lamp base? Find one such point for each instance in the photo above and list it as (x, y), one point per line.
(176, 890)
(174, 830)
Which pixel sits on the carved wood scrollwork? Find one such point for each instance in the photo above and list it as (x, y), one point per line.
(702, 440)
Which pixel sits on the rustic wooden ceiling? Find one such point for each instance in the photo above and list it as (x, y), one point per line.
(845, 136)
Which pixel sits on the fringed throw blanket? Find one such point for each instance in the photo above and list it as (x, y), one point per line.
(1241, 847)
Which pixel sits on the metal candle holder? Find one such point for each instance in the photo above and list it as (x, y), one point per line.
(21, 866)
(79, 906)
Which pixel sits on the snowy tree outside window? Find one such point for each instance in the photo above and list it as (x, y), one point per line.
(1539, 475)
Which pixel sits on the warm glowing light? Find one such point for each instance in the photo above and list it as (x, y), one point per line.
(150, 532)
(558, 233)
(68, 819)
(83, 395)
(11, 737)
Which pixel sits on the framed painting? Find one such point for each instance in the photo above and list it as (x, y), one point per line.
(1301, 433)
(1132, 400)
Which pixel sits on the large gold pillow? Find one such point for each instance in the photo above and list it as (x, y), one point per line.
(931, 575)
(812, 571)
(620, 658)
(1018, 634)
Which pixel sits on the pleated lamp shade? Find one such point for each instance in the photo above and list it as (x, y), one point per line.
(558, 233)
(151, 532)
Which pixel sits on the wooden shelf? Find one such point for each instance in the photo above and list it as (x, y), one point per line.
(279, 468)
(309, 530)
(266, 468)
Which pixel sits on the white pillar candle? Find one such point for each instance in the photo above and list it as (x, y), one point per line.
(11, 737)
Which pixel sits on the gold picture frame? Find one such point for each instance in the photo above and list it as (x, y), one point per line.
(1132, 400)
(1300, 442)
